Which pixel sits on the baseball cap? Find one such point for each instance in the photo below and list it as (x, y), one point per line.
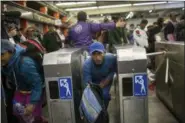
(6, 45)
(96, 46)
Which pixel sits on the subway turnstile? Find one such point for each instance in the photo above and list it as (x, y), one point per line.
(132, 84)
(63, 79)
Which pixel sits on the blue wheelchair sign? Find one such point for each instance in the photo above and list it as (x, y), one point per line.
(65, 88)
(140, 85)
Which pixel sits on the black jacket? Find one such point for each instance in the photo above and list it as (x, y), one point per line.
(169, 29)
(180, 31)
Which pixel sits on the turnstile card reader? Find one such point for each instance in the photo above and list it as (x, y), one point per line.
(63, 79)
(132, 84)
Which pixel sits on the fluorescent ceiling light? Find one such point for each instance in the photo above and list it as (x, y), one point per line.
(150, 11)
(130, 15)
(26, 13)
(114, 6)
(74, 3)
(100, 7)
(148, 3)
(78, 9)
(174, 2)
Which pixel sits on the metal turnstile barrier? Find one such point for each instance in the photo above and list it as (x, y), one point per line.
(132, 84)
(63, 79)
(170, 85)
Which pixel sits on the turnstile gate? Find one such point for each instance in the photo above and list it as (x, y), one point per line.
(63, 79)
(170, 85)
(132, 84)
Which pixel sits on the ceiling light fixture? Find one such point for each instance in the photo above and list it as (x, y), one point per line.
(74, 3)
(79, 9)
(114, 6)
(148, 3)
(130, 15)
(26, 13)
(100, 7)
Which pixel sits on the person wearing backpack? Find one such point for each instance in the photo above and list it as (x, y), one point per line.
(23, 71)
(99, 69)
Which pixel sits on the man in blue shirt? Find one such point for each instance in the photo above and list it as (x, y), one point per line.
(100, 69)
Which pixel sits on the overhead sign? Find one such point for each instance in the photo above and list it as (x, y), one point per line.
(140, 85)
(65, 88)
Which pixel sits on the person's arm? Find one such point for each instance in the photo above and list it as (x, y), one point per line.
(95, 27)
(87, 77)
(154, 31)
(113, 70)
(33, 78)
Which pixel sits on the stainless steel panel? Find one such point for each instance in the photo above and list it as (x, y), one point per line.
(161, 87)
(63, 63)
(124, 67)
(57, 70)
(140, 66)
(178, 89)
(177, 49)
(134, 110)
(173, 92)
(131, 60)
(63, 112)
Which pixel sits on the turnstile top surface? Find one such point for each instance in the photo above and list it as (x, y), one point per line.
(171, 43)
(130, 53)
(62, 56)
(175, 50)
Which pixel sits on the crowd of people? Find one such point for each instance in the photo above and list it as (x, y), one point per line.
(23, 79)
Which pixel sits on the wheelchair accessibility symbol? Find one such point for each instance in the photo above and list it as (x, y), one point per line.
(65, 87)
(140, 85)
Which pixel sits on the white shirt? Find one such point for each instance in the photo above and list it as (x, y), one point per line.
(12, 40)
(140, 37)
(62, 37)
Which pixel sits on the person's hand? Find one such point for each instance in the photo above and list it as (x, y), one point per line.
(120, 23)
(29, 109)
(102, 85)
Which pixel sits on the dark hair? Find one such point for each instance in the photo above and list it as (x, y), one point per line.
(82, 16)
(160, 21)
(115, 18)
(154, 23)
(131, 24)
(144, 21)
(106, 20)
